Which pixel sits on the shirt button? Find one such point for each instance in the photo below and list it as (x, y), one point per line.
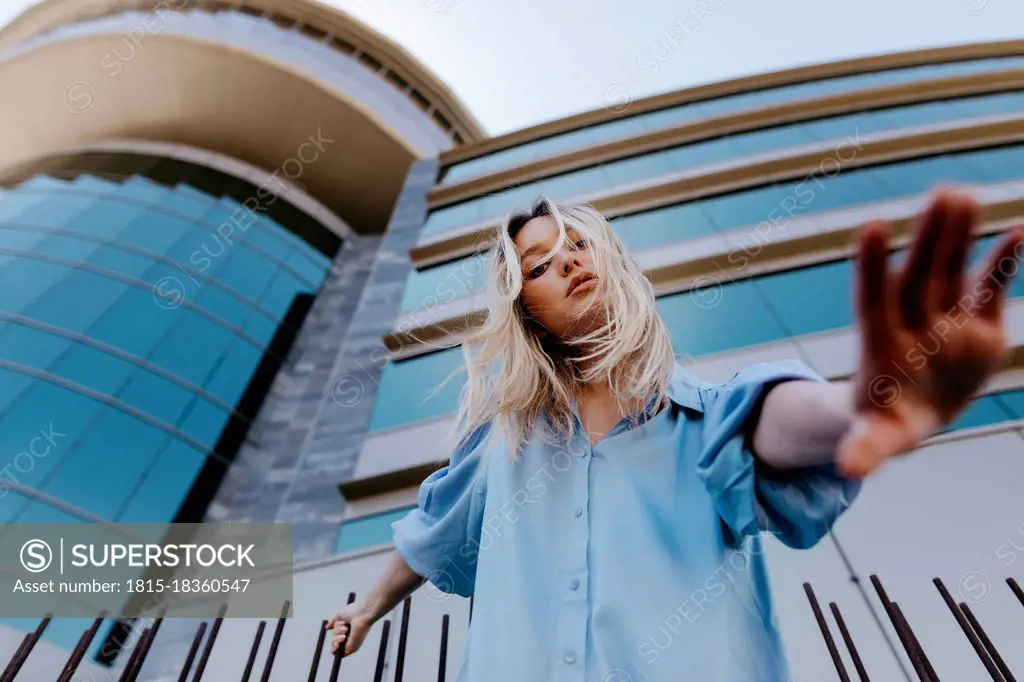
(579, 512)
(569, 658)
(574, 584)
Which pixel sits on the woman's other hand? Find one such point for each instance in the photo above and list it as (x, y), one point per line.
(930, 333)
(349, 628)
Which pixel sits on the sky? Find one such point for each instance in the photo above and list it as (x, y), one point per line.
(516, 63)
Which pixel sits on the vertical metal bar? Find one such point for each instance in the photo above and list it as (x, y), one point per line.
(916, 644)
(192, 651)
(1016, 590)
(5, 676)
(922, 657)
(855, 578)
(340, 653)
(837, 661)
(205, 657)
(854, 654)
(442, 659)
(316, 652)
(141, 648)
(275, 642)
(24, 652)
(901, 630)
(403, 635)
(961, 620)
(1004, 669)
(75, 659)
(126, 672)
(378, 675)
(253, 649)
(146, 645)
(74, 654)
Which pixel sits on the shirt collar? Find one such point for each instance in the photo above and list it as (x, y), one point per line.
(684, 390)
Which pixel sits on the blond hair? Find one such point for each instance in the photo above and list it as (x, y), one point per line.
(519, 381)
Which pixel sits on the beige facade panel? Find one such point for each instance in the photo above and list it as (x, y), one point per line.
(188, 91)
(378, 504)
(768, 80)
(751, 171)
(318, 16)
(792, 112)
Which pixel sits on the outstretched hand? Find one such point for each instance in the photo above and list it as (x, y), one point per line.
(930, 334)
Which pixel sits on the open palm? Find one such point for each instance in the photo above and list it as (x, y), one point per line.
(930, 334)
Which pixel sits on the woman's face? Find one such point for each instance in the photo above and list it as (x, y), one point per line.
(560, 293)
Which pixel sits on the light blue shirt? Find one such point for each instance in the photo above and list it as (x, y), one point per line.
(637, 559)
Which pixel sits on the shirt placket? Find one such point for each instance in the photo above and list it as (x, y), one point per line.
(570, 651)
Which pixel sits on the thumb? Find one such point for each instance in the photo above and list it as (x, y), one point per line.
(871, 439)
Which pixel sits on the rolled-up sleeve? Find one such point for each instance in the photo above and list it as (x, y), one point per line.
(798, 506)
(439, 538)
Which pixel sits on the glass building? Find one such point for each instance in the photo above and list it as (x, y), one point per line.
(168, 218)
(217, 306)
(741, 201)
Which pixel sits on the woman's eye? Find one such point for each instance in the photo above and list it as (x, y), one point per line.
(537, 270)
(581, 244)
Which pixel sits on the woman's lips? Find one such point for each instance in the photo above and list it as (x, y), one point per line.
(585, 286)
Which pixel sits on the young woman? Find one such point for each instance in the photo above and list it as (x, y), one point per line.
(600, 498)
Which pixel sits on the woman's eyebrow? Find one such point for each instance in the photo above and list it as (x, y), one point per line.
(536, 248)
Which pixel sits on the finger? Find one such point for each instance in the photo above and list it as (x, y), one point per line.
(873, 289)
(870, 441)
(954, 245)
(997, 272)
(916, 277)
(330, 623)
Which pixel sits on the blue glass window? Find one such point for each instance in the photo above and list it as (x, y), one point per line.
(162, 488)
(205, 423)
(982, 412)
(231, 378)
(718, 318)
(445, 283)
(64, 305)
(45, 422)
(93, 369)
(663, 226)
(368, 531)
(410, 383)
(159, 398)
(102, 469)
(176, 354)
(12, 386)
(1013, 402)
(30, 347)
(108, 461)
(827, 304)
